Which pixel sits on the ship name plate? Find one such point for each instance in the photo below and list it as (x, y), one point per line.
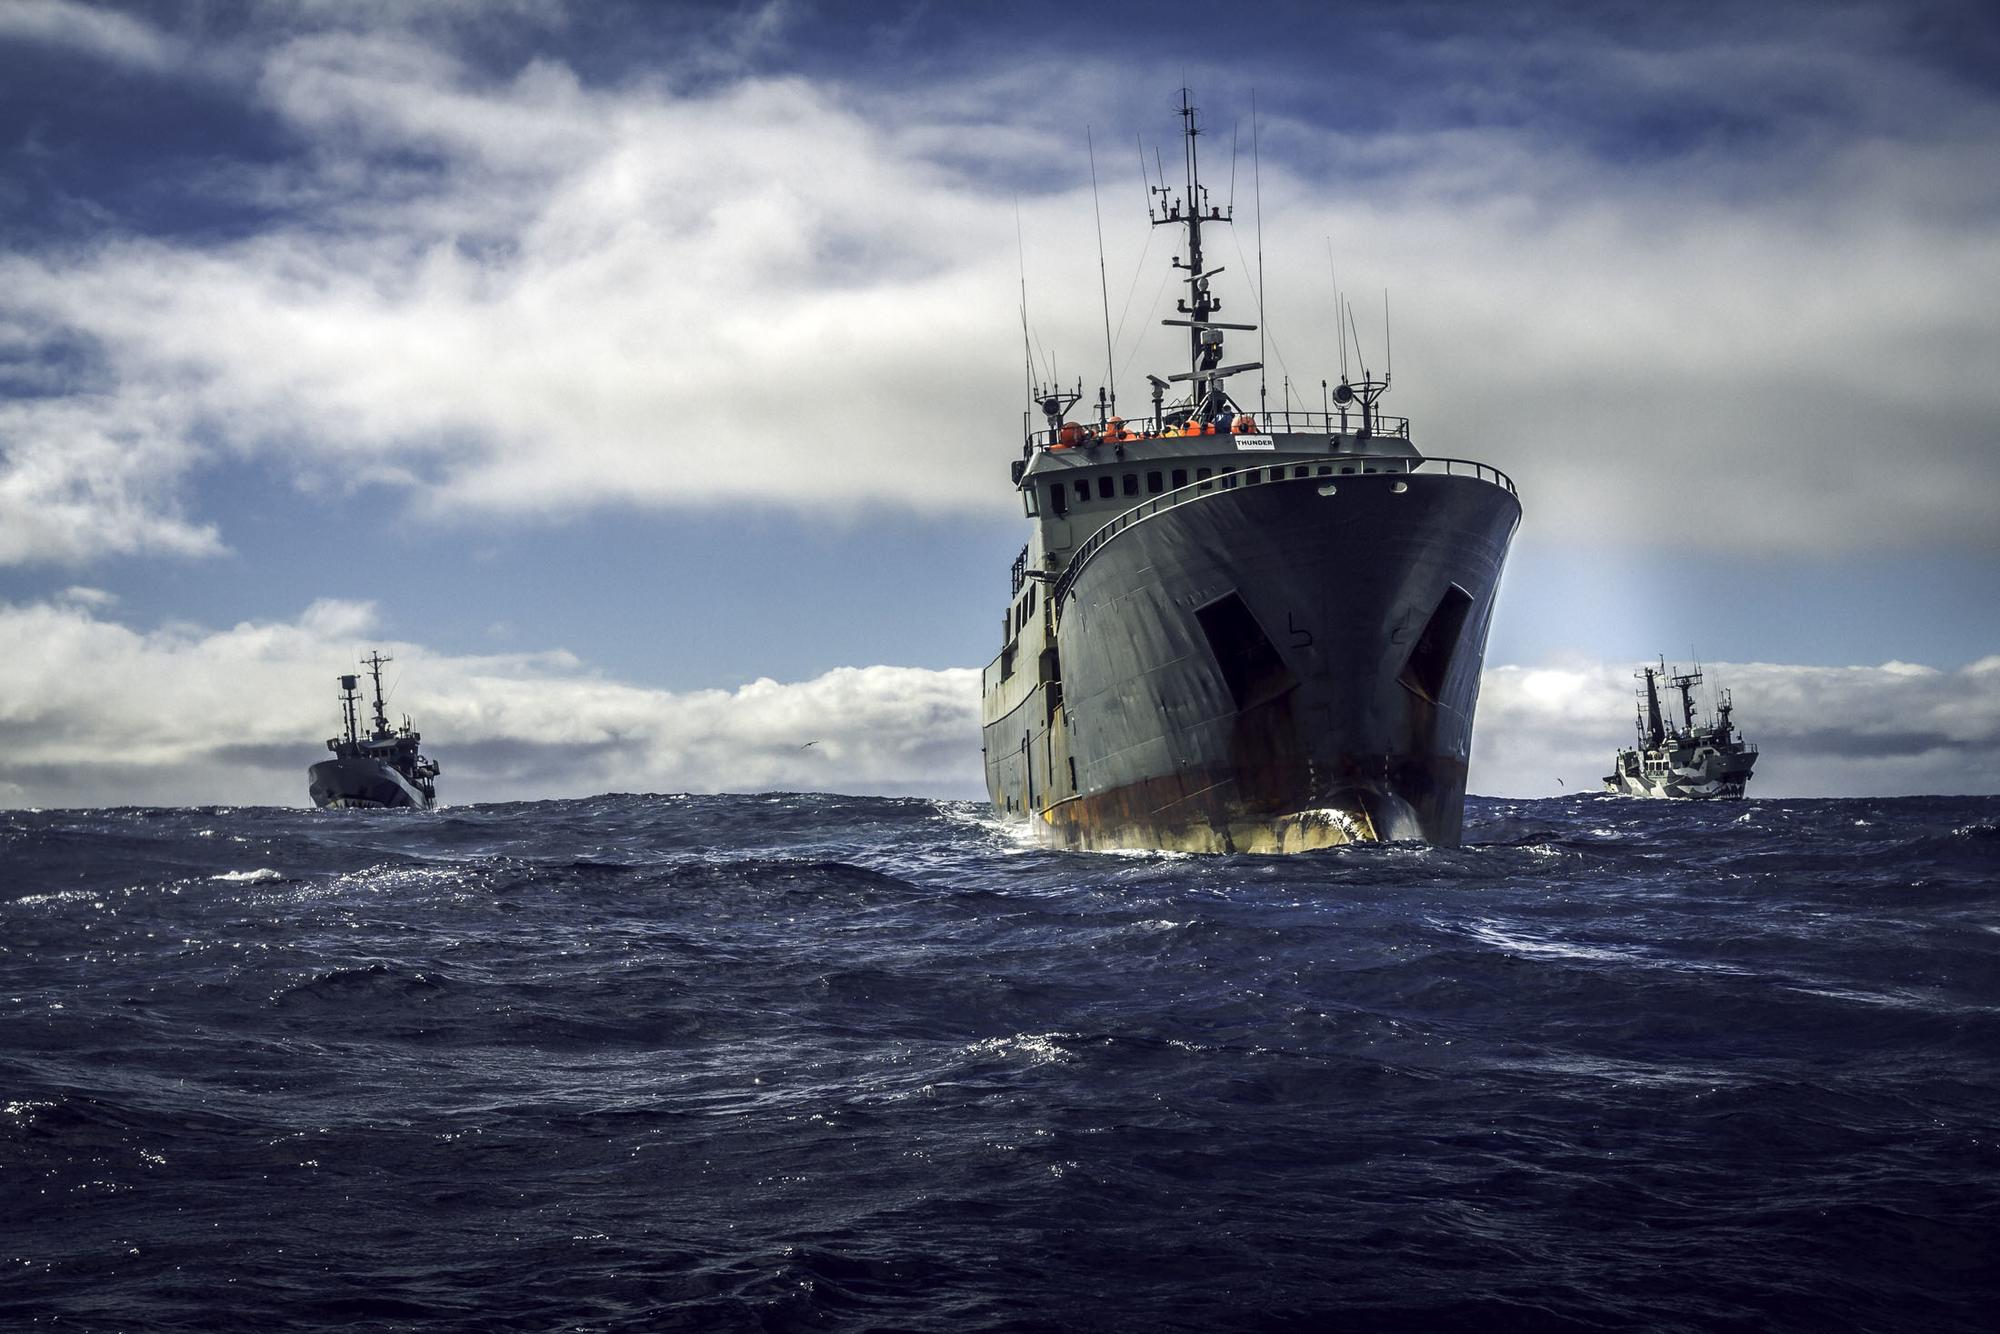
(1255, 442)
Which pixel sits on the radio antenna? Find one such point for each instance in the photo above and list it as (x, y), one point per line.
(1233, 128)
(1388, 343)
(1027, 344)
(1257, 165)
(1333, 275)
(1103, 283)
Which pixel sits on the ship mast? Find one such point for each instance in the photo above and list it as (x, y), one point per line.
(1656, 729)
(1686, 684)
(374, 662)
(1205, 371)
(349, 697)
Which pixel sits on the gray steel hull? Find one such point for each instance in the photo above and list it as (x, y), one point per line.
(362, 783)
(1714, 777)
(1270, 668)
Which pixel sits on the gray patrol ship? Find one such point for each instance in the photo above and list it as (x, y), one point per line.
(1692, 763)
(381, 769)
(1238, 633)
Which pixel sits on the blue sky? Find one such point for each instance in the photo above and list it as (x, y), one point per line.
(644, 351)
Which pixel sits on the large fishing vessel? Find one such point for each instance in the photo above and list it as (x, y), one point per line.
(383, 768)
(1690, 762)
(1237, 631)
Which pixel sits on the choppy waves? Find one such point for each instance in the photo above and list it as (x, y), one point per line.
(811, 1062)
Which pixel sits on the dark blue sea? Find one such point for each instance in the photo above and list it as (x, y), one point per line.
(829, 1063)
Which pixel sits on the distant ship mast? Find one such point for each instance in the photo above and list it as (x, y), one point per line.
(374, 663)
(350, 696)
(1685, 683)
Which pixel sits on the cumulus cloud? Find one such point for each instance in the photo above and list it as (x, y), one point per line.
(98, 713)
(94, 712)
(106, 34)
(94, 476)
(535, 292)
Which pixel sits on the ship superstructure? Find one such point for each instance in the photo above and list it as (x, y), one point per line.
(1238, 631)
(383, 768)
(1695, 761)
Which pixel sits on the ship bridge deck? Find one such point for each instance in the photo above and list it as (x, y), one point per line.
(1350, 424)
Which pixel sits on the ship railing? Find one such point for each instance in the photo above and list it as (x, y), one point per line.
(1281, 422)
(1146, 509)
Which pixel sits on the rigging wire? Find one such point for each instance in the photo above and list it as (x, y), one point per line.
(1257, 290)
(1138, 272)
(1137, 343)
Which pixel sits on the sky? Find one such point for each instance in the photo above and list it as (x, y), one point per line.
(643, 378)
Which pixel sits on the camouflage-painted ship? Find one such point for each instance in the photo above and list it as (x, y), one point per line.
(1240, 632)
(1691, 762)
(384, 768)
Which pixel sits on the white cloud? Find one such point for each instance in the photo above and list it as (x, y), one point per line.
(537, 294)
(93, 712)
(95, 475)
(104, 33)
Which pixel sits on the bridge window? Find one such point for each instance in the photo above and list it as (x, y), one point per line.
(1180, 478)
(1058, 500)
(1301, 471)
(1131, 483)
(1325, 471)
(1082, 489)
(1251, 480)
(1155, 484)
(1106, 488)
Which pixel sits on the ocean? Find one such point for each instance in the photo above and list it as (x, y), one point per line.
(799, 1062)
